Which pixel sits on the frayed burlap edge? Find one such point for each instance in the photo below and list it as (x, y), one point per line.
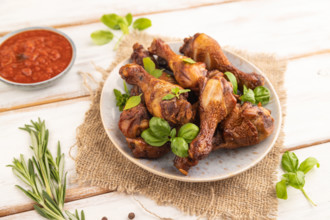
(250, 195)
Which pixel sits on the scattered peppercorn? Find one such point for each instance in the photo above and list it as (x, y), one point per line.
(131, 215)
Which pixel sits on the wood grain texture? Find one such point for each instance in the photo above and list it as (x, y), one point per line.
(305, 145)
(295, 30)
(250, 29)
(75, 12)
(72, 194)
(117, 206)
(114, 206)
(61, 119)
(307, 82)
(171, 8)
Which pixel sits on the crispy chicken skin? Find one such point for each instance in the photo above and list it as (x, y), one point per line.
(141, 149)
(137, 57)
(133, 121)
(205, 49)
(183, 164)
(139, 53)
(176, 110)
(216, 102)
(186, 74)
(246, 125)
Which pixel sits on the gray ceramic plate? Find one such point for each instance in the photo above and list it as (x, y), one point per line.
(218, 165)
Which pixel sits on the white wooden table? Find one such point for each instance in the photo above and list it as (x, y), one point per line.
(296, 30)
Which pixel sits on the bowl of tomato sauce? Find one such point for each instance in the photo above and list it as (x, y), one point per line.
(35, 56)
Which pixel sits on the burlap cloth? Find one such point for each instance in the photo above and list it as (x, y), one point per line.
(250, 195)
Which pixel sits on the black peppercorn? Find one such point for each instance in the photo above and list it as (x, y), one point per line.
(131, 215)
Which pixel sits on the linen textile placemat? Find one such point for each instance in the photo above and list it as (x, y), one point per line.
(250, 195)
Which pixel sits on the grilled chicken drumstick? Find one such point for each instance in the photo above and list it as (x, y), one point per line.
(131, 123)
(216, 102)
(137, 57)
(134, 120)
(175, 110)
(141, 149)
(186, 74)
(246, 125)
(205, 49)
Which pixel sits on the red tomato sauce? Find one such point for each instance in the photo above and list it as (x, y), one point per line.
(34, 56)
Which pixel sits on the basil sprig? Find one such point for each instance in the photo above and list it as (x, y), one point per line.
(133, 101)
(160, 132)
(117, 22)
(188, 60)
(101, 37)
(295, 175)
(141, 24)
(150, 67)
(121, 98)
(124, 101)
(259, 95)
(248, 95)
(175, 92)
(233, 80)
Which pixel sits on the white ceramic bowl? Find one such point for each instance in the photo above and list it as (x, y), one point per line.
(220, 164)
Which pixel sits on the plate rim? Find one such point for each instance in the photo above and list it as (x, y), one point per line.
(194, 179)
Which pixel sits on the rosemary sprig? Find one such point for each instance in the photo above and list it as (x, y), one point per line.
(44, 175)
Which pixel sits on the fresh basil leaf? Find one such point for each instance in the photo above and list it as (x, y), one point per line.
(112, 21)
(290, 162)
(179, 147)
(117, 94)
(125, 87)
(233, 80)
(124, 99)
(183, 91)
(101, 37)
(157, 72)
(281, 190)
(141, 23)
(308, 164)
(168, 97)
(248, 95)
(148, 65)
(175, 90)
(188, 132)
(159, 127)
(188, 60)
(133, 101)
(121, 99)
(296, 179)
(149, 137)
(129, 19)
(261, 95)
(124, 27)
(173, 133)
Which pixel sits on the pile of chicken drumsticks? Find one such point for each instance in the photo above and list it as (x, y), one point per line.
(224, 122)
